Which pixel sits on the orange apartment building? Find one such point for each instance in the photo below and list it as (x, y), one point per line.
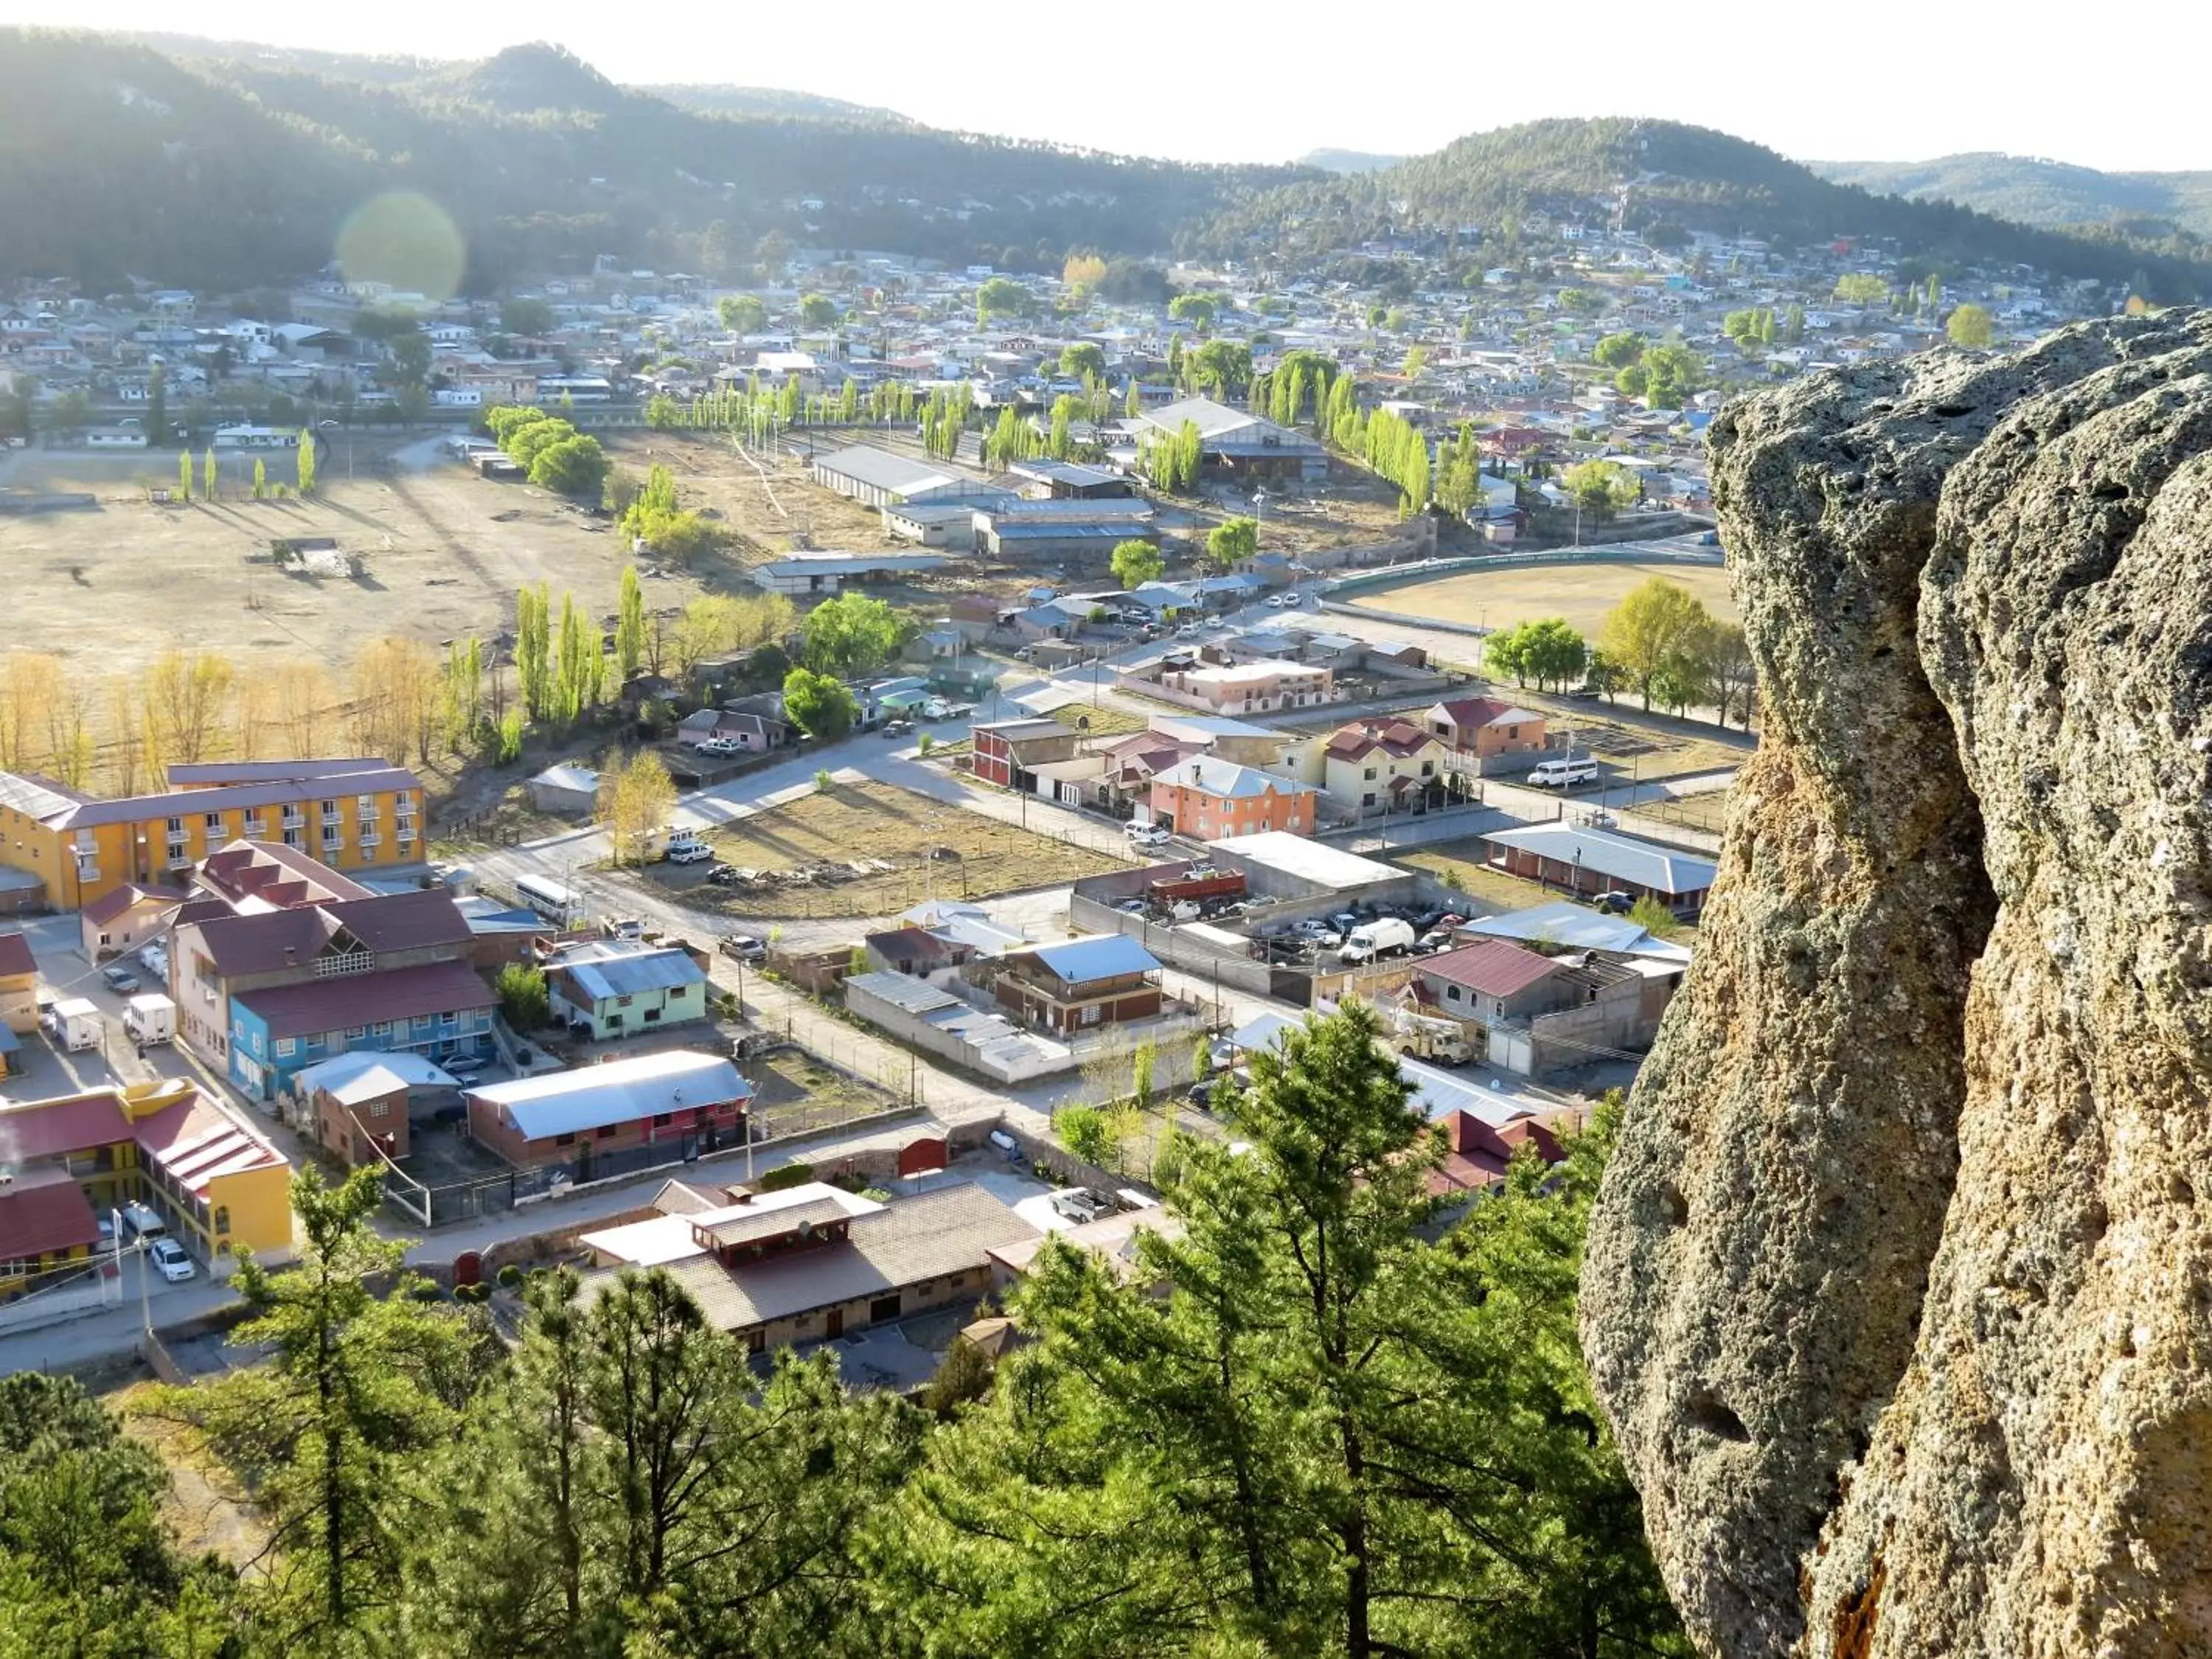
(357, 814)
(1210, 799)
(1484, 726)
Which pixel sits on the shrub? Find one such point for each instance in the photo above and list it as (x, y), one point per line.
(522, 999)
(791, 1175)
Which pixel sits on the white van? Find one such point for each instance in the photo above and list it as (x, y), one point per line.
(1564, 773)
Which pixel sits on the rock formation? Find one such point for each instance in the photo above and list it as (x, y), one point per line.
(1899, 1294)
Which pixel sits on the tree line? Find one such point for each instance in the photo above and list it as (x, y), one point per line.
(1325, 1414)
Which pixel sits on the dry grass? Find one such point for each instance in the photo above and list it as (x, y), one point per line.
(1645, 752)
(1461, 863)
(768, 509)
(1707, 811)
(1582, 593)
(206, 1507)
(888, 830)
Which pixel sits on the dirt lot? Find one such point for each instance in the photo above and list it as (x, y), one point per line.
(1582, 593)
(769, 509)
(207, 1507)
(1461, 863)
(441, 553)
(796, 1094)
(891, 830)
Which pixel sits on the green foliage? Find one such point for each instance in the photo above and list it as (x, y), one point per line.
(1231, 540)
(629, 626)
(533, 649)
(522, 999)
(356, 1390)
(817, 311)
(1085, 1131)
(510, 738)
(1654, 918)
(86, 1567)
(1618, 350)
(1548, 652)
(1861, 288)
(818, 704)
(526, 316)
(1081, 358)
(575, 465)
(1136, 563)
(1001, 296)
(852, 634)
(1659, 640)
(741, 313)
(1970, 327)
(1172, 463)
(1272, 1457)
(1199, 310)
(1398, 452)
(1221, 369)
(1603, 486)
(784, 1175)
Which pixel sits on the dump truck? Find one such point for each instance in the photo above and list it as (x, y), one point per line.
(1197, 883)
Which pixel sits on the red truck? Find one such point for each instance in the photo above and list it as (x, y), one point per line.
(1201, 881)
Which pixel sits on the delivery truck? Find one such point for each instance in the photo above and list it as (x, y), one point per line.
(149, 1019)
(1386, 937)
(74, 1024)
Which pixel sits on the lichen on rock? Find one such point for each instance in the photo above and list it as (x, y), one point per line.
(1898, 1295)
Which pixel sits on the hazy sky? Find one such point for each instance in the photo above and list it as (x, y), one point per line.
(1269, 82)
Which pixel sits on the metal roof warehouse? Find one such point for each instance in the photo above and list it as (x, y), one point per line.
(620, 1091)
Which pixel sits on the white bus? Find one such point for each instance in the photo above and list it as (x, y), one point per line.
(549, 899)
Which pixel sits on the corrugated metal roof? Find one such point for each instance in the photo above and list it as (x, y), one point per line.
(1105, 956)
(1493, 967)
(864, 464)
(634, 976)
(620, 1091)
(1622, 858)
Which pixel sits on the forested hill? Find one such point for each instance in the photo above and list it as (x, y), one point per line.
(117, 159)
(1666, 180)
(2036, 192)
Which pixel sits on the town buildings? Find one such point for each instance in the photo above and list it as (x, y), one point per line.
(687, 1102)
(349, 814)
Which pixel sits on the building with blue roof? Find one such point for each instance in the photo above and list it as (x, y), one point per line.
(607, 989)
(1081, 984)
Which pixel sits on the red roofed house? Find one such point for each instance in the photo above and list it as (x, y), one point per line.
(218, 1186)
(1494, 980)
(1384, 766)
(125, 918)
(279, 963)
(1476, 1155)
(1484, 727)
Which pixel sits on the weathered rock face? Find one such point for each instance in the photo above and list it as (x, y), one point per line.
(1899, 1294)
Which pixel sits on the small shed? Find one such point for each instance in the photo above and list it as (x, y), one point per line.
(566, 787)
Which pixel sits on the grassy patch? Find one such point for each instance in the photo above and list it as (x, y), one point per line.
(795, 1093)
(863, 850)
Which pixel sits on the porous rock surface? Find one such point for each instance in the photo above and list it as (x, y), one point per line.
(1898, 1293)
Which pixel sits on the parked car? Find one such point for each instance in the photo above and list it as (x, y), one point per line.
(141, 1221)
(169, 1256)
(1564, 773)
(1616, 902)
(155, 959)
(1145, 834)
(1282, 601)
(1188, 631)
(120, 980)
(743, 947)
(462, 1067)
(719, 746)
(689, 852)
(1080, 1205)
(899, 729)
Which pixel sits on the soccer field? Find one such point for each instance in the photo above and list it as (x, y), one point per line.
(1582, 594)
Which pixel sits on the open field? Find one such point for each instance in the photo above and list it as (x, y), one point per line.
(888, 831)
(769, 515)
(1582, 593)
(441, 553)
(1707, 811)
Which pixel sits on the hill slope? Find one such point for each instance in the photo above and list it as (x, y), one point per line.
(1665, 178)
(117, 160)
(2036, 192)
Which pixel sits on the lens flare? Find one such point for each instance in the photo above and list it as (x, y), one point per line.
(405, 241)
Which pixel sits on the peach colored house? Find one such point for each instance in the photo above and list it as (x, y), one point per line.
(1246, 688)
(1210, 799)
(1483, 727)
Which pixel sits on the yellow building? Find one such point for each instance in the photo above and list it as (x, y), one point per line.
(349, 814)
(218, 1186)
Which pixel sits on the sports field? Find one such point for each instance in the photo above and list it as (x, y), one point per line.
(1582, 593)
